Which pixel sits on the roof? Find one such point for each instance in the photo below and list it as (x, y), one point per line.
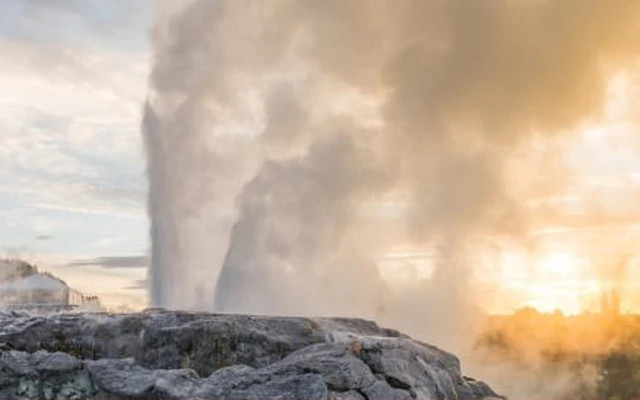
(34, 282)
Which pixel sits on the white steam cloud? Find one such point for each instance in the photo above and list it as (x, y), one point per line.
(279, 132)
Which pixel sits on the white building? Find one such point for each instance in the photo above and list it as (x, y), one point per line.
(40, 291)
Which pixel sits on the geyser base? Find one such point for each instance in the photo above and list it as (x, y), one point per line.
(179, 355)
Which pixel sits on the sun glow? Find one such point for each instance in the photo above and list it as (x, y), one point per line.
(555, 279)
(561, 283)
(563, 265)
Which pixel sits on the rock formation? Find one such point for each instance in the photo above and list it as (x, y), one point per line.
(160, 354)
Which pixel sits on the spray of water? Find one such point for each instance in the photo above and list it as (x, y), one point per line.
(280, 134)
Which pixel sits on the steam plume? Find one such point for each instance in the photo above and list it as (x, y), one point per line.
(342, 104)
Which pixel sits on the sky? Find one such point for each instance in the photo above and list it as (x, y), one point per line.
(72, 174)
(73, 184)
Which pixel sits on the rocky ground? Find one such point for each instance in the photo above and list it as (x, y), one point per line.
(160, 354)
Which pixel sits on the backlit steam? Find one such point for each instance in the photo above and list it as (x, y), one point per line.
(318, 117)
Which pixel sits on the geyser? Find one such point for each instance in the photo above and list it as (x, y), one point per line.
(279, 135)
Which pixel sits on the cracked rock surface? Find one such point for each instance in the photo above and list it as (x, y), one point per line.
(160, 354)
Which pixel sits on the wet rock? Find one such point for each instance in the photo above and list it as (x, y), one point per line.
(222, 382)
(176, 384)
(17, 363)
(57, 362)
(340, 369)
(179, 355)
(349, 395)
(307, 386)
(121, 377)
(43, 375)
(382, 390)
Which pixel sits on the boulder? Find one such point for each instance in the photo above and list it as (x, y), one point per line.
(160, 354)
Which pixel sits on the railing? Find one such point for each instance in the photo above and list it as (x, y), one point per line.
(37, 306)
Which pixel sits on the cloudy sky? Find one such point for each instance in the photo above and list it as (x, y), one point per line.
(72, 183)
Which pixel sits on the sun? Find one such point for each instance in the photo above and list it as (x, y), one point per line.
(559, 265)
(558, 285)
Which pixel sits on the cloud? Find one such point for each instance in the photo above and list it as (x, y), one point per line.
(136, 261)
(115, 24)
(74, 75)
(139, 284)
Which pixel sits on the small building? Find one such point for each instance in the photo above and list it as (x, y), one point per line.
(40, 291)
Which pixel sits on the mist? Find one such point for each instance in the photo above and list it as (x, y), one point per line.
(291, 143)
